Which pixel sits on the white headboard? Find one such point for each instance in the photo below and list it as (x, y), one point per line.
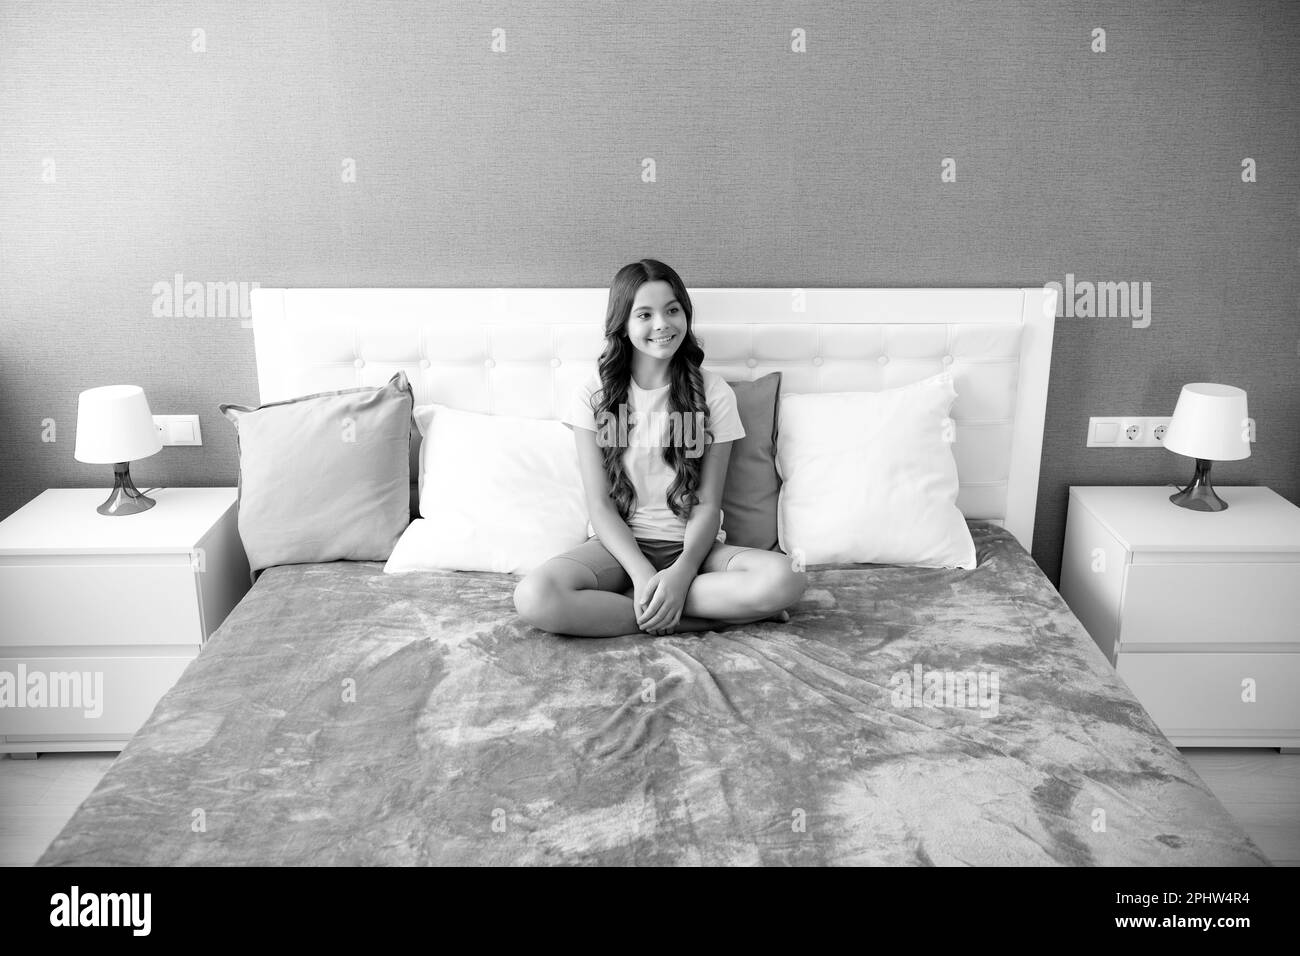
(523, 351)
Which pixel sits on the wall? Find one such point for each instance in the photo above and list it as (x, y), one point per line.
(524, 168)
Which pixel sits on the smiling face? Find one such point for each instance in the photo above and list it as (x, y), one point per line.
(657, 323)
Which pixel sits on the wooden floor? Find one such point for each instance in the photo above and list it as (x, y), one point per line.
(1261, 788)
(38, 796)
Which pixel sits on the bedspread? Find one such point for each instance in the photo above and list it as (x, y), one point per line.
(903, 716)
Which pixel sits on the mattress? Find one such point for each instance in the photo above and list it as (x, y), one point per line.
(903, 716)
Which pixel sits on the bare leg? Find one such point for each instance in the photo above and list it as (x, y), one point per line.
(754, 586)
(689, 623)
(561, 597)
(714, 624)
(595, 613)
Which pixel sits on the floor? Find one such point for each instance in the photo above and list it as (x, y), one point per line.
(1260, 787)
(38, 796)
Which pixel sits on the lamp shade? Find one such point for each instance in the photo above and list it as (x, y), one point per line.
(114, 424)
(1210, 422)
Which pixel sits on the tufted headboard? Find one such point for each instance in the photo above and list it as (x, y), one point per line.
(523, 351)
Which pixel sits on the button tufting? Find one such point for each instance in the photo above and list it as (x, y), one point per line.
(947, 360)
(555, 363)
(359, 363)
(817, 360)
(489, 363)
(883, 360)
(751, 362)
(424, 363)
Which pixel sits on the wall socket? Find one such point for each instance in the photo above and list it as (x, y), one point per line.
(1132, 431)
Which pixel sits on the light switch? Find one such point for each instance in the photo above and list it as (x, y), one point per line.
(1106, 432)
(1127, 431)
(179, 429)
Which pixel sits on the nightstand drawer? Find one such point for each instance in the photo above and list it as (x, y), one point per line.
(78, 602)
(1211, 604)
(83, 696)
(1201, 694)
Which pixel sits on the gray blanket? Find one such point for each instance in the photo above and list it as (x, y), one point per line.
(903, 716)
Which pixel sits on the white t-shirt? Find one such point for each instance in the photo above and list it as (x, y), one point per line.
(656, 426)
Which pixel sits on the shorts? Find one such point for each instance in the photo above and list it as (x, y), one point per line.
(610, 575)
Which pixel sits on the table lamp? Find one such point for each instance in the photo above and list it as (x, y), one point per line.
(1209, 424)
(115, 426)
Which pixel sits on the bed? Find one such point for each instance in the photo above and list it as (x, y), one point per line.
(341, 715)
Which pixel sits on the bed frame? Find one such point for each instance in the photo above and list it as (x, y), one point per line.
(523, 351)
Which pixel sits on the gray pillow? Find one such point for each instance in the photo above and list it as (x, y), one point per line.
(325, 477)
(749, 497)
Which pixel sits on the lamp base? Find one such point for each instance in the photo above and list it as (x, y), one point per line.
(1199, 495)
(125, 498)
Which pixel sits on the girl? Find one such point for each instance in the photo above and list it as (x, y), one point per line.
(654, 433)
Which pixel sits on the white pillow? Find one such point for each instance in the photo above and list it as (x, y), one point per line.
(497, 493)
(870, 478)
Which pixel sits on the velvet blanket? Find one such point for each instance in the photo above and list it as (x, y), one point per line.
(903, 716)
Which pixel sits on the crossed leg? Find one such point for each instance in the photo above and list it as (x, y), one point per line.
(734, 586)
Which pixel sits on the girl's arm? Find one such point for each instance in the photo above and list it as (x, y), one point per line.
(608, 524)
(702, 526)
(670, 586)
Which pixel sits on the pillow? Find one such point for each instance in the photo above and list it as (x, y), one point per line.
(749, 498)
(497, 493)
(870, 478)
(324, 477)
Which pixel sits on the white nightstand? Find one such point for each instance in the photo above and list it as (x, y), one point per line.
(1199, 612)
(106, 612)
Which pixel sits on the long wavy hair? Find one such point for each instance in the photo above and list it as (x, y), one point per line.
(685, 393)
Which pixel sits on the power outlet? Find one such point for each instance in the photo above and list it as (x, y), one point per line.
(1127, 432)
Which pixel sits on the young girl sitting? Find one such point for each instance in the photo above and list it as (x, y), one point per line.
(654, 433)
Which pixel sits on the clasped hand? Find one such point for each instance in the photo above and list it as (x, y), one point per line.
(660, 599)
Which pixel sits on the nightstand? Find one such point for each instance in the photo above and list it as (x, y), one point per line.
(1199, 612)
(102, 614)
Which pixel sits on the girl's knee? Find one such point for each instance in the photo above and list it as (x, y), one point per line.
(780, 587)
(539, 601)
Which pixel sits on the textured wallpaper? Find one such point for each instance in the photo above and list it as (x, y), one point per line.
(746, 144)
